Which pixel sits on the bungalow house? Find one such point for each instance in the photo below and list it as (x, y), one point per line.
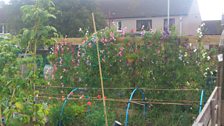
(152, 14)
(212, 27)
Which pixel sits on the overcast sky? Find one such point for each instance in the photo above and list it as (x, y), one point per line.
(210, 9)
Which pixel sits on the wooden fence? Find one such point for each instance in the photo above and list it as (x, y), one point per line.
(210, 114)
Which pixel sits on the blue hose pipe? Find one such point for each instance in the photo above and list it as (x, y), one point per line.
(201, 101)
(63, 106)
(129, 102)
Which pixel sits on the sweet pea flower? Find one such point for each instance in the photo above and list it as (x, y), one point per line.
(89, 103)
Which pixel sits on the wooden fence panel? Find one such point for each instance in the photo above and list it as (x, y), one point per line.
(209, 114)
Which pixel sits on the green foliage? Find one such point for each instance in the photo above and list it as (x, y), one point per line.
(160, 61)
(73, 114)
(39, 34)
(16, 99)
(76, 14)
(17, 94)
(72, 15)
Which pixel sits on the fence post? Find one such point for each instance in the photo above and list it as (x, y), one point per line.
(212, 104)
(220, 78)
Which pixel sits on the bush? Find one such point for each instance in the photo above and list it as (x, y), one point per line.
(73, 115)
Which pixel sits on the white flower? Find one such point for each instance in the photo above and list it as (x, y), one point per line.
(211, 72)
(204, 54)
(195, 50)
(188, 83)
(180, 57)
(198, 30)
(185, 54)
(208, 57)
(205, 74)
(80, 29)
(203, 24)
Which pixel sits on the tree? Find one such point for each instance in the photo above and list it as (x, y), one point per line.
(13, 14)
(39, 32)
(76, 14)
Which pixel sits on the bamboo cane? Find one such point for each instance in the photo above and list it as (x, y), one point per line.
(100, 70)
(1, 123)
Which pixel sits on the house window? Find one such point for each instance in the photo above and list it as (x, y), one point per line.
(172, 23)
(143, 25)
(119, 25)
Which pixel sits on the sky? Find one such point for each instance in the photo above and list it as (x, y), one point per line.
(209, 9)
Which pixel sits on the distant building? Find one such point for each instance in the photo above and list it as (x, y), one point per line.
(223, 19)
(152, 14)
(212, 27)
(3, 28)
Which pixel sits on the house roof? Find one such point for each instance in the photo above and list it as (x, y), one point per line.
(116, 9)
(212, 27)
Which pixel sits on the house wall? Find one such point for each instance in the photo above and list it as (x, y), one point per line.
(185, 25)
(192, 22)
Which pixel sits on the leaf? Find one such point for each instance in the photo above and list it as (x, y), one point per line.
(19, 105)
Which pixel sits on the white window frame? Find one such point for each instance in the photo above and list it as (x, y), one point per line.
(143, 21)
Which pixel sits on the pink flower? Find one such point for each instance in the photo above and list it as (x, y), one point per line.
(98, 96)
(124, 31)
(120, 54)
(62, 50)
(55, 67)
(89, 103)
(121, 48)
(62, 98)
(90, 44)
(81, 97)
(112, 35)
(121, 51)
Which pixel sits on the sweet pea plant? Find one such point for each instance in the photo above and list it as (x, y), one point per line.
(154, 60)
